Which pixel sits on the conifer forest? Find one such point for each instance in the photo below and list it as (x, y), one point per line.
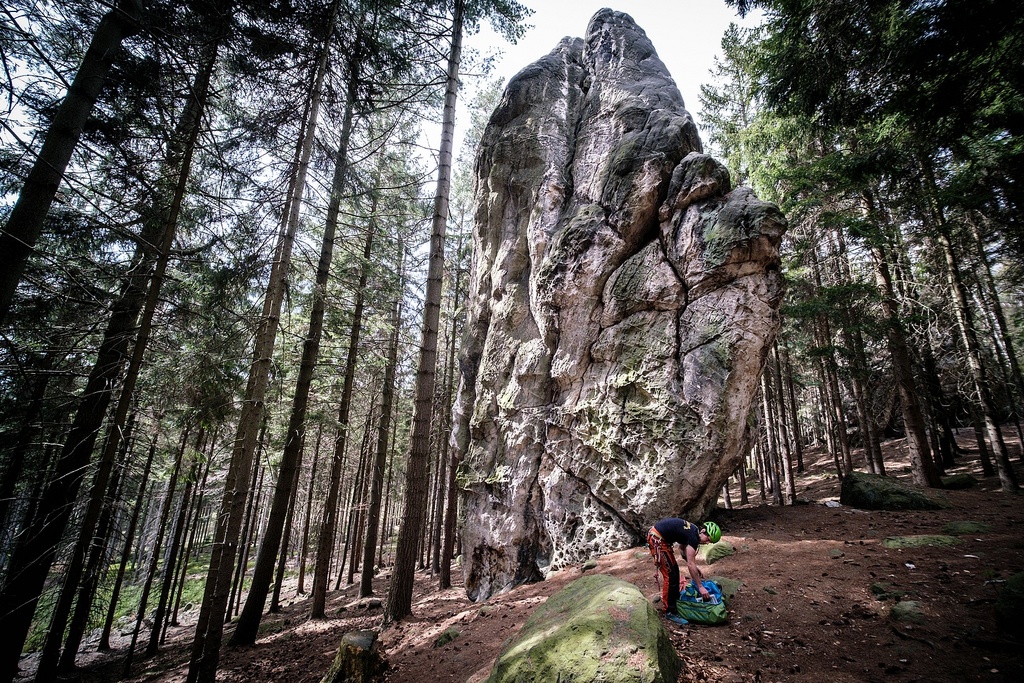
(235, 251)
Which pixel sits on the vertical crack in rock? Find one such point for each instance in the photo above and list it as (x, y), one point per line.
(621, 303)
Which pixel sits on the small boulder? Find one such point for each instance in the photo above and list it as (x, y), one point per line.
(907, 610)
(919, 541)
(712, 552)
(967, 528)
(729, 587)
(959, 482)
(446, 636)
(598, 628)
(360, 659)
(874, 492)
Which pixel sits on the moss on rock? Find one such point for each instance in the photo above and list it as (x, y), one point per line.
(446, 636)
(959, 482)
(729, 586)
(874, 492)
(923, 540)
(907, 610)
(712, 552)
(965, 528)
(598, 628)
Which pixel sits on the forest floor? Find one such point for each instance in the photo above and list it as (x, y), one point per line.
(817, 586)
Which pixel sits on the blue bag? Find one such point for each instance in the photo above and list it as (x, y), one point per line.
(697, 611)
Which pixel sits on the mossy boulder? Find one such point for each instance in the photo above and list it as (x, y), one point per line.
(907, 610)
(884, 590)
(920, 541)
(966, 528)
(598, 628)
(446, 636)
(874, 492)
(959, 482)
(729, 586)
(712, 552)
(1009, 607)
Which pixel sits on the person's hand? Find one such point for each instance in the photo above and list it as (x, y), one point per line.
(704, 595)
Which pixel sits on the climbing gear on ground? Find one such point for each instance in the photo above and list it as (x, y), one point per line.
(694, 609)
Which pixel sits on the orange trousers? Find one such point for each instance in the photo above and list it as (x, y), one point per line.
(668, 570)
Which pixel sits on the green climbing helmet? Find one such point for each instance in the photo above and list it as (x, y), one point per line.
(713, 531)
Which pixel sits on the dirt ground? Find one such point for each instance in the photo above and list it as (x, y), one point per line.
(817, 586)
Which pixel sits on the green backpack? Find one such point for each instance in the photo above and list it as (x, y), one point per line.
(693, 609)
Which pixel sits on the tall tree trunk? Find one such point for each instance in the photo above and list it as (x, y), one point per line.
(245, 537)
(741, 473)
(831, 380)
(282, 555)
(210, 625)
(791, 395)
(786, 457)
(91, 576)
(921, 463)
(126, 554)
(25, 222)
(968, 333)
(359, 496)
(977, 425)
(173, 553)
(381, 451)
(154, 560)
(386, 535)
(194, 527)
(825, 404)
(251, 615)
(938, 401)
(452, 508)
(969, 338)
(859, 374)
(304, 546)
(399, 603)
(771, 440)
(15, 459)
(996, 306)
(328, 529)
(165, 221)
(441, 476)
(351, 509)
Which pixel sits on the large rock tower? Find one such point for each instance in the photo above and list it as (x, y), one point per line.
(623, 297)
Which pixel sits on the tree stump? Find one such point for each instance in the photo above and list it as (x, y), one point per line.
(359, 660)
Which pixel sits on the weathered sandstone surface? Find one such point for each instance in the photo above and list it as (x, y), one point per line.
(623, 297)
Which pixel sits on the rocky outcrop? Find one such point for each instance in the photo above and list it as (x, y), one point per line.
(622, 300)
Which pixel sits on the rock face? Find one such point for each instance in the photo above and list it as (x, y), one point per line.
(598, 628)
(622, 301)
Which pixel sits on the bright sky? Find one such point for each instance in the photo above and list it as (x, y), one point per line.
(687, 35)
